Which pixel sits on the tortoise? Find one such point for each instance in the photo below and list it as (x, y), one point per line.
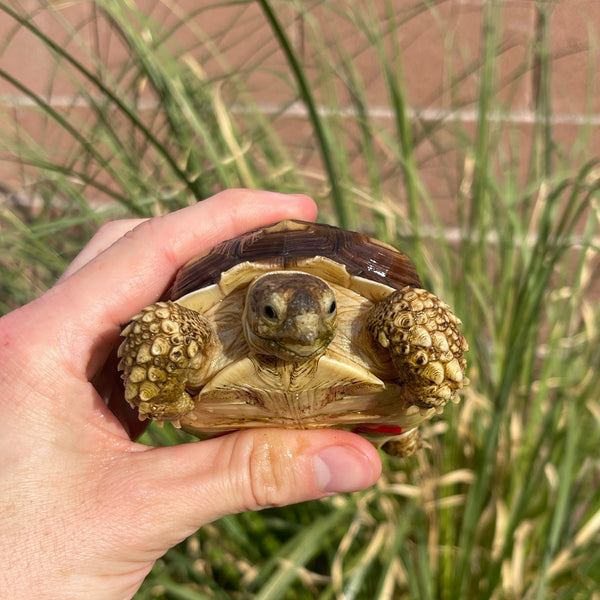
(297, 325)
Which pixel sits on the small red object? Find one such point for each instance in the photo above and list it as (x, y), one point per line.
(389, 429)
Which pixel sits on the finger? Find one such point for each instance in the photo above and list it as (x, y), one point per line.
(105, 237)
(180, 488)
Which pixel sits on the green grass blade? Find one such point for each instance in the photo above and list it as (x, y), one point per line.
(343, 208)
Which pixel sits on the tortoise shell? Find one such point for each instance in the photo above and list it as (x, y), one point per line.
(291, 245)
(387, 358)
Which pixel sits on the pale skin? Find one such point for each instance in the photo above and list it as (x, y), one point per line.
(86, 511)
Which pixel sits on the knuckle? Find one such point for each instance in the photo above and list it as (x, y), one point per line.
(155, 229)
(269, 479)
(113, 230)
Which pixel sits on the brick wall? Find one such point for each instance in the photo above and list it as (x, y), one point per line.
(441, 49)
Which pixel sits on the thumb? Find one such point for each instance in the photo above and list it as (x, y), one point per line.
(184, 487)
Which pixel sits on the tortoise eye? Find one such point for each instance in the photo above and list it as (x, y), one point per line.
(269, 312)
(332, 308)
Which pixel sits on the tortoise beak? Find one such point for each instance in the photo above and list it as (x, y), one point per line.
(305, 328)
(308, 339)
(305, 335)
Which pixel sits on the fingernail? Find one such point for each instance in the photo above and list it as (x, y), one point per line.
(342, 469)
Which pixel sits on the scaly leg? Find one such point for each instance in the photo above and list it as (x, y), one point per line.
(404, 445)
(162, 345)
(421, 333)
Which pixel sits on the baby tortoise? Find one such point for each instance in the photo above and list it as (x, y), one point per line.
(297, 325)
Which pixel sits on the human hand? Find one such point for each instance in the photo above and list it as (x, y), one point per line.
(86, 511)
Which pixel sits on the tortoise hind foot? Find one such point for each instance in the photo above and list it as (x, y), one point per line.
(405, 444)
(162, 345)
(426, 347)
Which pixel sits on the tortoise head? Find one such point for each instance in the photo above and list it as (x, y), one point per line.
(290, 315)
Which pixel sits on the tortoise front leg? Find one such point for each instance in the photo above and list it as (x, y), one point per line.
(421, 333)
(163, 344)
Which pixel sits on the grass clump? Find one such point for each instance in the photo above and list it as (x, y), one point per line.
(504, 502)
